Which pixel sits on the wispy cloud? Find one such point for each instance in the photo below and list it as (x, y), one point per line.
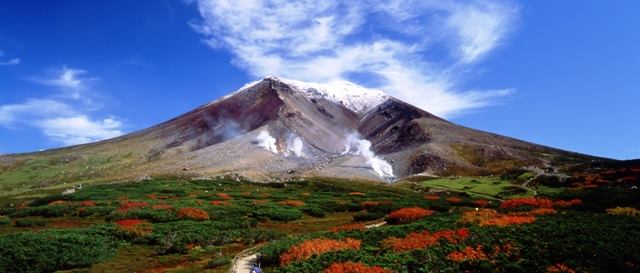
(392, 43)
(70, 80)
(12, 61)
(67, 119)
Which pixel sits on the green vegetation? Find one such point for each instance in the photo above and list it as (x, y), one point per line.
(480, 187)
(171, 225)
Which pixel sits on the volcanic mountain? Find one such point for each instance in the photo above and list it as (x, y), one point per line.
(276, 129)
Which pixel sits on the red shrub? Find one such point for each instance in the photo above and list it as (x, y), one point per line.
(351, 267)
(308, 248)
(405, 215)
(420, 240)
(126, 205)
(527, 201)
(468, 254)
(135, 226)
(193, 214)
(152, 196)
(292, 203)
(481, 203)
(348, 227)
(453, 200)
(220, 203)
(564, 204)
(88, 203)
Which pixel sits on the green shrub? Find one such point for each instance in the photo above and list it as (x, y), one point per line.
(314, 211)
(368, 216)
(279, 214)
(30, 222)
(95, 211)
(45, 211)
(5, 220)
(54, 250)
(218, 262)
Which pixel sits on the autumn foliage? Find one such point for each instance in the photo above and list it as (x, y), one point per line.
(357, 193)
(420, 240)
(405, 215)
(127, 205)
(489, 217)
(468, 254)
(453, 200)
(538, 203)
(135, 226)
(481, 202)
(308, 248)
(193, 214)
(351, 267)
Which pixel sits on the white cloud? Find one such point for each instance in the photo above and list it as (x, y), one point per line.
(71, 80)
(323, 41)
(65, 119)
(80, 129)
(12, 61)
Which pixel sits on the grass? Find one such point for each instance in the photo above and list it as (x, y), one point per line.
(480, 187)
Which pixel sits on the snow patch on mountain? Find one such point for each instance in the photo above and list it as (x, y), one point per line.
(354, 97)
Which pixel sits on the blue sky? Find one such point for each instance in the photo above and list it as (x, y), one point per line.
(563, 74)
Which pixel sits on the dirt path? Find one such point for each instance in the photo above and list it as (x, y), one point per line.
(243, 264)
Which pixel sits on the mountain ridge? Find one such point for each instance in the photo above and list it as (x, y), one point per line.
(349, 135)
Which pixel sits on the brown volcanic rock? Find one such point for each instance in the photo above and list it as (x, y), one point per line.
(314, 128)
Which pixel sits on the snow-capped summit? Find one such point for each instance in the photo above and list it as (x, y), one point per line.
(354, 97)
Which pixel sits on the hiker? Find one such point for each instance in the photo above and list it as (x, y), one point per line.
(256, 269)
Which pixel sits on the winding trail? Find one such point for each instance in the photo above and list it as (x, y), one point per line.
(243, 262)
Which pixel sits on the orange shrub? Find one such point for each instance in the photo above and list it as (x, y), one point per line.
(468, 254)
(152, 196)
(527, 201)
(560, 268)
(224, 196)
(453, 200)
(405, 215)
(308, 248)
(369, 204)
(292, 203)
(88, 203)
(351, 267)
(220, 203)
(357, 193)
(420, 240)
(348, 227)
(432, 197)
(193, 214)
(135, 226)
(543, 211)
(507, 220)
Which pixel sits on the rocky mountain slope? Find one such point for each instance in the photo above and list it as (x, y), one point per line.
(279, 129)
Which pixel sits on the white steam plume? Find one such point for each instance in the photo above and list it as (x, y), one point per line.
(295, 146)
(359, 146)
(265, 140)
